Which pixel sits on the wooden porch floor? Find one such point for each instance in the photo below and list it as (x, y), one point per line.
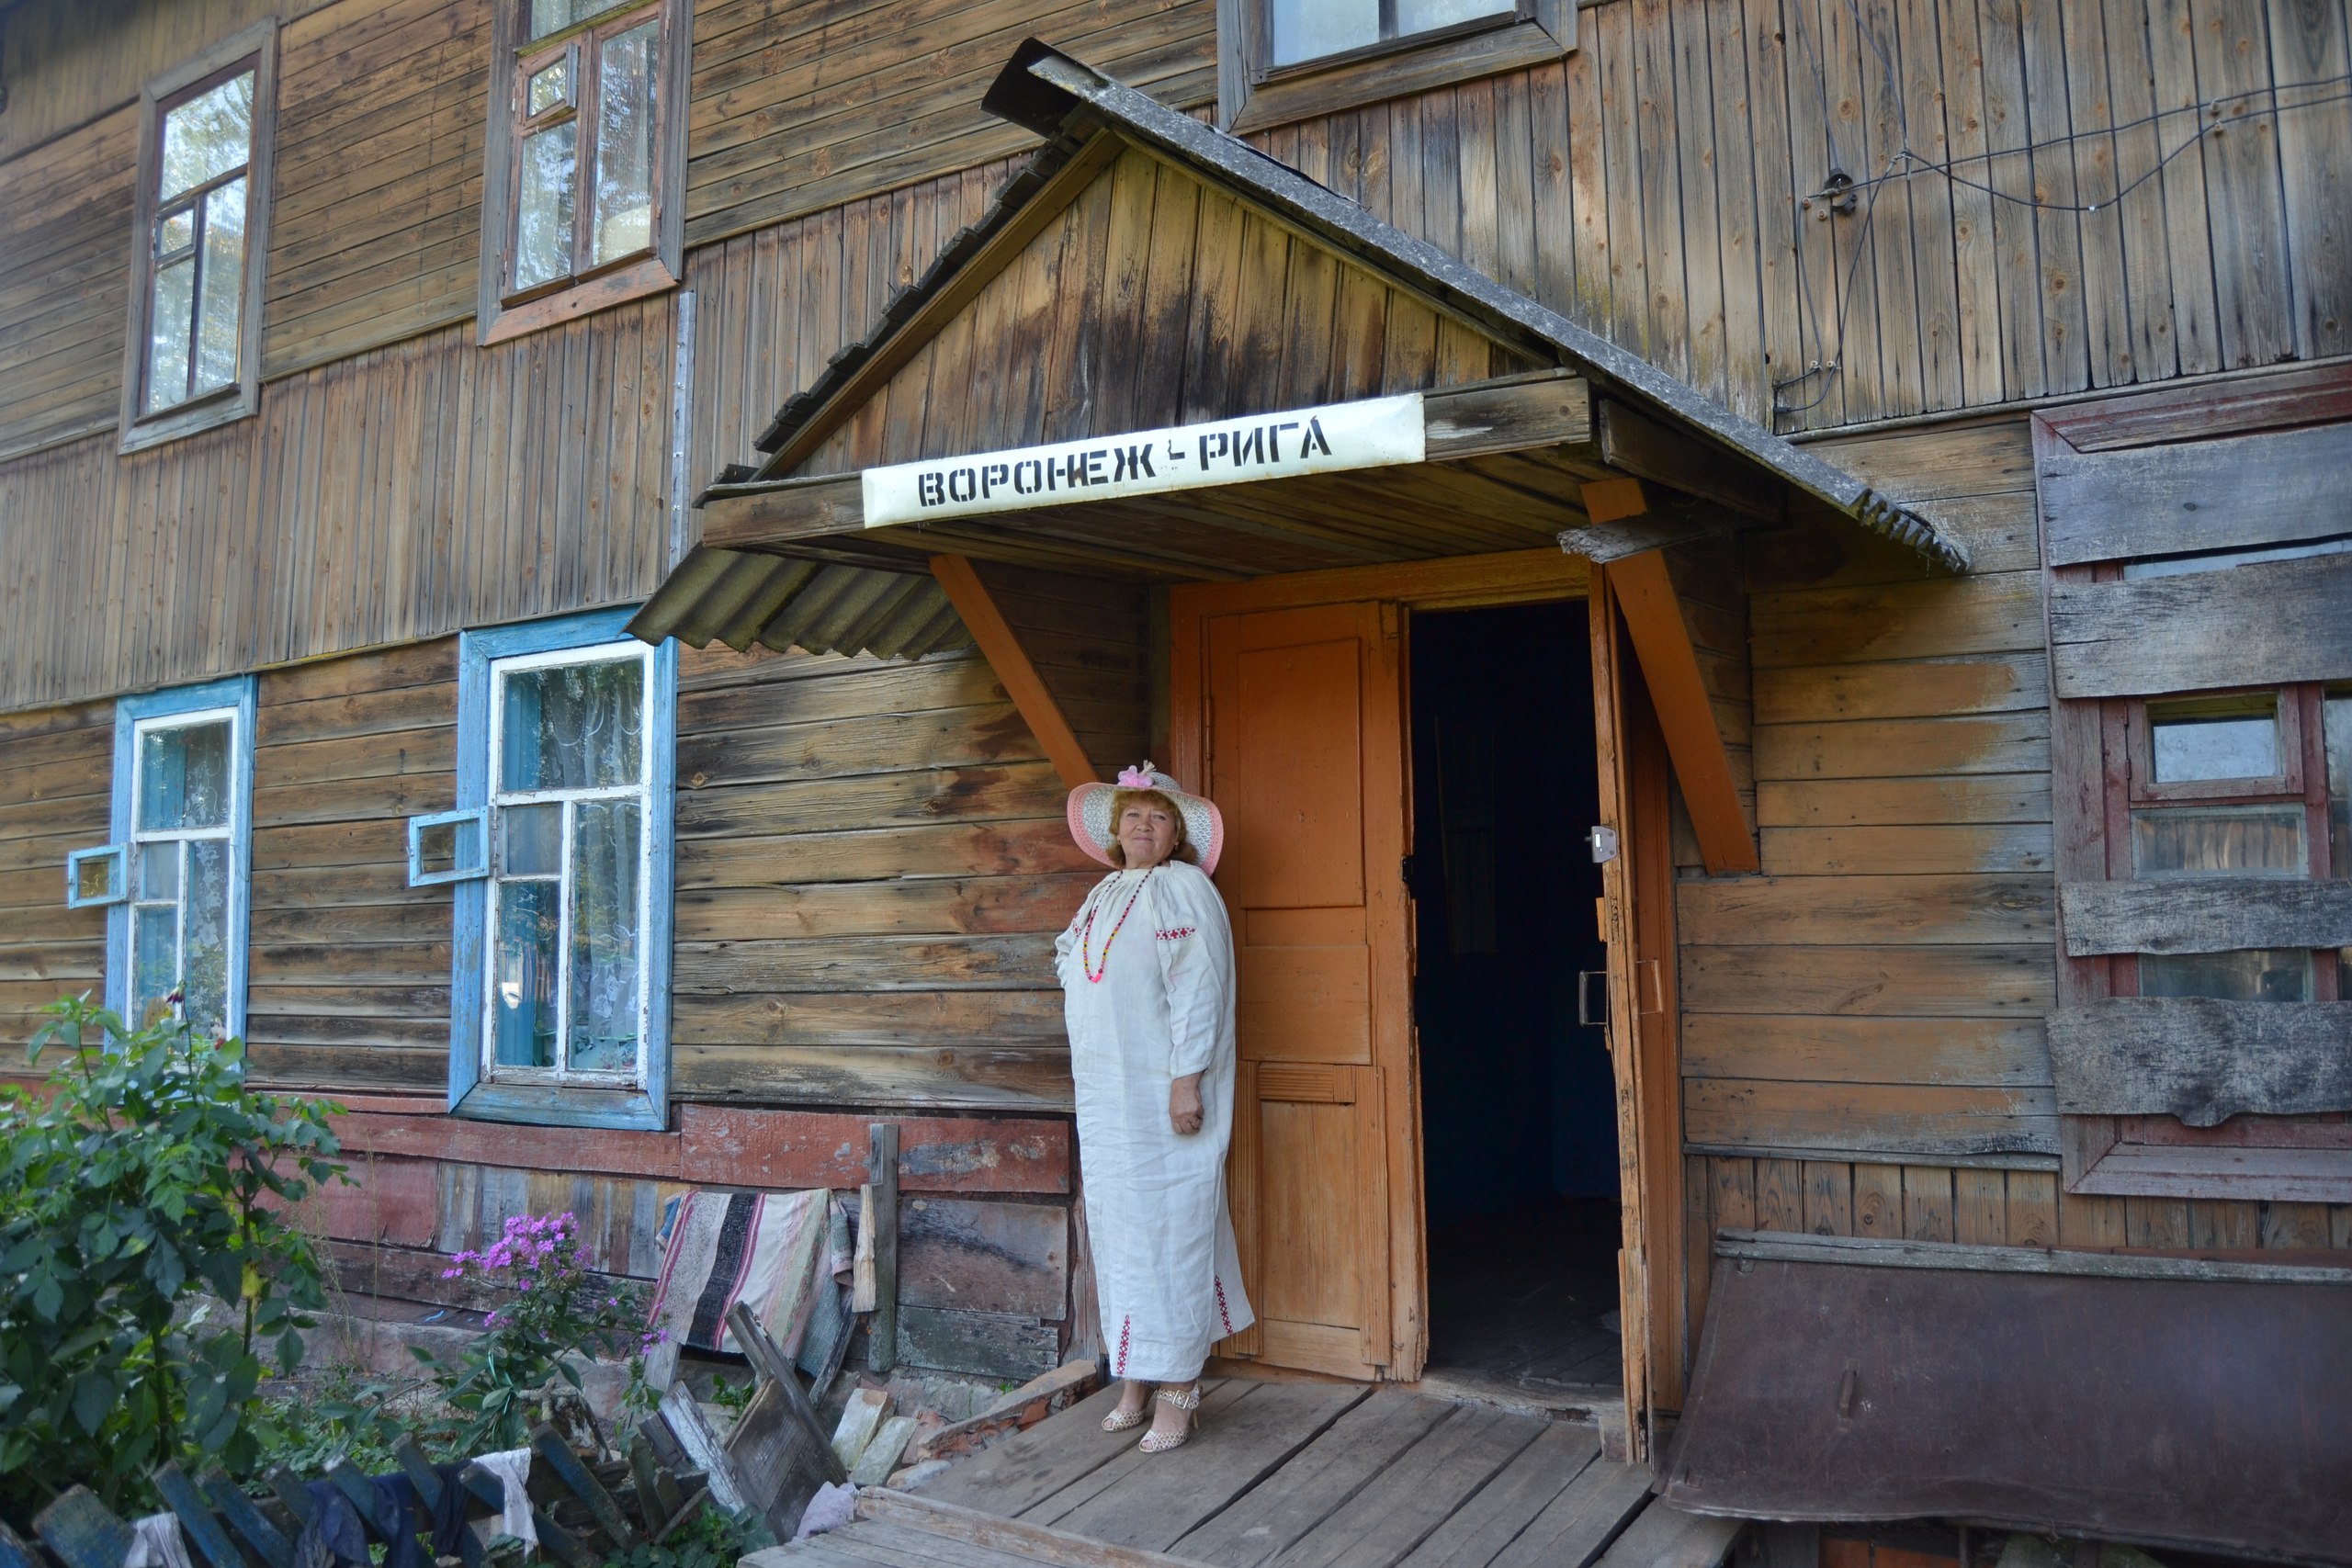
(1294, 1474)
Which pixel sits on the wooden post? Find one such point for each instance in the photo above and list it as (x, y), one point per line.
(882, 1169)
(1005, 655)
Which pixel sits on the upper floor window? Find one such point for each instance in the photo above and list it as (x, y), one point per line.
(584, 159)
(1287, 59)
(176, 873)
(1299, 30)
(197, 266)
(560, 853)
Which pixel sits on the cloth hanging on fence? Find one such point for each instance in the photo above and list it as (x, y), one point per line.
(332, 1536)
(514, 1472)
(765, 1249)
(156, 1542)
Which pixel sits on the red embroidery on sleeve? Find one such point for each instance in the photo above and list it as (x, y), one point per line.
(1179, 931)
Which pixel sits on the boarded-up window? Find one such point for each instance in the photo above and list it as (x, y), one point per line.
(2200, 570)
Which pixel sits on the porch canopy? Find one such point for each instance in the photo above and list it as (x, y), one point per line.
(1148, 274)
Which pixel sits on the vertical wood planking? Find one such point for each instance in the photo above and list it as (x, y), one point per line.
(2309, 44)
(2242, 173)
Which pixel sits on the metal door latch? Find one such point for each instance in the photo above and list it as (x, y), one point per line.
(1585, 1020)
(1604, 844)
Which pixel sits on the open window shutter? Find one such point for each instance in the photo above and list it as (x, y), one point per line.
(97, 876)
(455, 843)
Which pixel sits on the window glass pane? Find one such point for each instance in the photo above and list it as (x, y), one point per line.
(175, 232)
(445, 847)
(159, 871)
(2278, 975)
(2214, 561)
(155, 960)
(207, 136)
(573, 726)
(603, 1020)
(184, 777)
(2191, 744)
(2220, 841)
(522, 974)
(224, 281)
(1424, 16)
(625, 113)
(543, 217)
(549, 88)
(94, 878)
(534, 841)
(554, 15)
(1306, 30)
(204, 974)
(168, 332)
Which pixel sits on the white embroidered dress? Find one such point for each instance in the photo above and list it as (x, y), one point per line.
(1165, 1270)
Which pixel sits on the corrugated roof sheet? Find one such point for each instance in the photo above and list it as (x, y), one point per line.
(739, 598)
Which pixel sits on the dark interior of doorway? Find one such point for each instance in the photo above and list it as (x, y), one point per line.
(1518, 1107)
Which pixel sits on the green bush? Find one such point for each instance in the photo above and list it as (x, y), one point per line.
(146, 1261)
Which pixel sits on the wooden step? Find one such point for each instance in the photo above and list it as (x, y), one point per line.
(899, 1528)
(1668, 1537)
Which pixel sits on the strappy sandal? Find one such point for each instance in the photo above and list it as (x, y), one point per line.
(1187, 1400)
(1126, 1420)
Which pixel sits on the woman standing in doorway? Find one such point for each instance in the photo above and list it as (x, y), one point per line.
(1147, 974)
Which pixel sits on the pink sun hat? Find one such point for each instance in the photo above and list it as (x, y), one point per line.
(1090, 825)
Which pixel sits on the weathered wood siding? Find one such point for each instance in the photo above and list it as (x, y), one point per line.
(65, 208)
(56, 778)
(347, 984)
(397, 495)
(798, 107)
(376, 233)
(1652, 185)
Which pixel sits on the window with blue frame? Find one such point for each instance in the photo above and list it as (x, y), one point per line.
(559, 855)
(175, 878)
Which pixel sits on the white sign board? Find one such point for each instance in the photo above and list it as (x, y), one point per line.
(1368, 435)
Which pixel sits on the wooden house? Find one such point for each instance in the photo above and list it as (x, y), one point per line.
(1763, 585)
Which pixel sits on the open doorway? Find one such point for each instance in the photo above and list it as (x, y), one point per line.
(1518, 1122)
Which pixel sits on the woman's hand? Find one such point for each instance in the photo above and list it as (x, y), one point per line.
(1184, 1111)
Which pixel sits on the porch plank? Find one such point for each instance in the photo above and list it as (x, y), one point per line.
(1216, 1401)
(1011, 1477)
(1315, 1482)
(1581, 1521)
(1668, 1537)
(1380, 1523)
(1491, 1520)
(1157, 1504)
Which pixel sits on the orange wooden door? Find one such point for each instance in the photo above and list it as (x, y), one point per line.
(1304, 721)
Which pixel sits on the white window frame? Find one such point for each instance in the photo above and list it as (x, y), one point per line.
(502, 800)
(134, 718)
(554, 1097)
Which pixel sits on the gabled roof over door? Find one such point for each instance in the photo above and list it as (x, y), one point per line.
(1146, 271)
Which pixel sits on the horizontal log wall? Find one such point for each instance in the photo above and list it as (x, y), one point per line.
(1881, 987)
(872, 863)
(56, 783)
(348, 982)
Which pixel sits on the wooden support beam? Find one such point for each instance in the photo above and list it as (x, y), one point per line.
(882, 1350)
(1626, 520)
(1642, 446)
(1005, 655)
(746, 516)
(1652, 617)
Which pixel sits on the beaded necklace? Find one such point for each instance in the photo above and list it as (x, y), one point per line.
(1095, 972)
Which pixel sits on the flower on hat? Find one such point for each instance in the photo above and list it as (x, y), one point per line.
(1137, 778)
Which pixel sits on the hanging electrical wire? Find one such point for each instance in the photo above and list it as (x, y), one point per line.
(1843, 194)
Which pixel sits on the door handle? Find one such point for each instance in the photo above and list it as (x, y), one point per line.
(1585, 977)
